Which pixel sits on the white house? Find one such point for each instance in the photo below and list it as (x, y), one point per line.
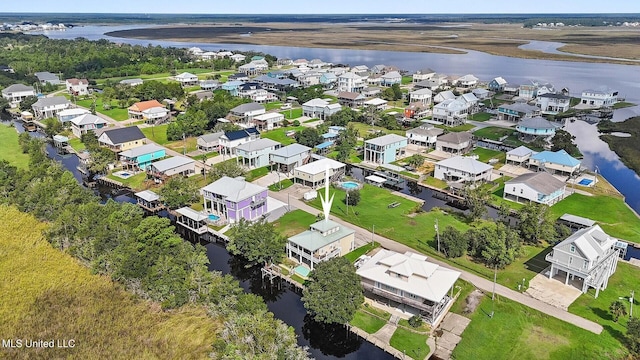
(237, 57)
(132, 82)
(421, 75)
(423, 96)
(45, 77)
(289, 157)
(410, 282)
(313, 173)
(588, 257)
(47, 107)
(603, 97)
(16, 93)
(467, 81)
(255, 153)
(267, 121)
(519, 155)
(84, 123)
(66, 115)
(350, 82)
(451, 112)
(376, 103)
(77, 86)
(391, 78)
(539, 187)
(553, 103)
(455, 142)
(232, 139)
(462, 169)
(323, 240)
(209, 142)
(245, 113)
(173, 166)
(444, 95)
(424, 135)
(186, 79)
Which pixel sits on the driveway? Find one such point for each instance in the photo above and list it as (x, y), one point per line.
(553, 291)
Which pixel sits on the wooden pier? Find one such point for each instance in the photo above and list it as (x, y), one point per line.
(274, 271)
(110, 183)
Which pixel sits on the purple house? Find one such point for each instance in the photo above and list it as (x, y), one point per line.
(235, 199)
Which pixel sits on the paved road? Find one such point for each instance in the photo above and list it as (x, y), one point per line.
(365, 235)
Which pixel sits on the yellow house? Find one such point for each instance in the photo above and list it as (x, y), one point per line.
(324, 240)
(122, 139)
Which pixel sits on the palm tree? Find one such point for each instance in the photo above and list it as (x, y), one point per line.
(617, 309)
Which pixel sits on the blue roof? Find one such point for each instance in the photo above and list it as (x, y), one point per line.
(324, 145)
(240, 134)
(559, 157)
(329, 136)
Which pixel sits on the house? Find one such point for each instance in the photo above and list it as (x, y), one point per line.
(245, 113)
(268, 121)
(255, 67)
(455, 142)
(588, 257)
(149, 201)
(410, 282)
(162, 170)
(203, 95)
(351, 99)
(444, 95)
(539, 187)
(209, 142)
(516, 111)
(237, 57)
(519, 155)
(232, 86)
(314, 108)
(424, 135)
(481, 94)
(328, 79)
(47, 107)
(451, 112)
(534, 89)
(470, 100)
(553, 103)
(151, 111)
(45, 77)
(376, 104)
(462, 169)
(186, 79)
(313, 173)
(467, 81)
(84, 123)
(235, 199)
(325, 239)
(16, 93)
(537, 126)
(361, 70)
(121, 139)
(309, 79)
(350, 82)
(436, 82)
(142, 156)
(377, 69)
(132, 82)
(391, 78)
(559, 162)
(290, 157)
(77, 86)
(371, 91)
(232, 139)
(423, 96)
(209, 84)
(497, 84)
(374, 79)
(256, 153)
(416, 110)
(276, 83)
(385, 149)
(195, 221)
(66, 115)
(421, 75)
(238, 77)
(603, 97)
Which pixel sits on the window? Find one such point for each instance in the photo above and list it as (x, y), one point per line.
(570, 259)
(586, 264)
(572, 248)
(521, 191)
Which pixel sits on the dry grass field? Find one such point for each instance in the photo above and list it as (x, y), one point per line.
(497, 39)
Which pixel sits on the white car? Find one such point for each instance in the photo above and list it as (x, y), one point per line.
(285, 106)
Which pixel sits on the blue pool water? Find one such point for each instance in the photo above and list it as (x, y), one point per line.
(585, 182)
(349, 185)
(214, 217)
(302, 270)
(124, 174)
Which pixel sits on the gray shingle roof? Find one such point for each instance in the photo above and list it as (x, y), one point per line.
(125, 134)
(51, 101)
(16, 88)
(456, 137)
(541, 182)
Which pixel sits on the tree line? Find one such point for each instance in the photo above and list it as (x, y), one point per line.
(144, 254)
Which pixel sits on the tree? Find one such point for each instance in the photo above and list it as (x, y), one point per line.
(633, 335)
(352, 197)
(536, 223)
(416, 160)
(453, 242)
(334, 292)
(617, 309)
(52, 126)
(397, 92)
(259, 242)
(563, 140)
(388, 94)
(308, 137)
(226, 168)
(476, 200)
(179, 191)
(4, 105)
(25, 104)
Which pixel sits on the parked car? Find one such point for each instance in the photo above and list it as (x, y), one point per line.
(285, 106)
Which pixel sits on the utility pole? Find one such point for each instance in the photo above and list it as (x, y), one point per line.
(631, 301)
(437, 234)
(493, 296)
(184, 145)
(373, 231)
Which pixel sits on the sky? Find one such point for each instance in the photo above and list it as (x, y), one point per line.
(322, 6)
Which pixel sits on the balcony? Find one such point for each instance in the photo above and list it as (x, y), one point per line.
(422, 306)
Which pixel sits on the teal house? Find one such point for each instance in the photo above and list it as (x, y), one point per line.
(142, 156)
(385, 149)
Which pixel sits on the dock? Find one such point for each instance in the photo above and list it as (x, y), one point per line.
(274, 271)
(110, 183)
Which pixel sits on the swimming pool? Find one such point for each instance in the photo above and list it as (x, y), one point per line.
(214, 217)
(302, 270)
(585, 182)
(349, 185)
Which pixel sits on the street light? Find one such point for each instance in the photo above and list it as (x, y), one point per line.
(630, 302)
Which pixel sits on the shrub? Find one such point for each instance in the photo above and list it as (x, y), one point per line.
(415, 321)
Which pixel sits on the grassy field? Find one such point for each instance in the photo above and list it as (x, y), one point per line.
(135, 182)
(459, 128)
(484, 155)
(627, 148)
(612, 214)
(11, 150)
(105, 321)
(281, 185)
(412, 344)
(114, 112)
(76, 144)
(364, 129)
(436, 183)
(273, 105)
(356, 253)
(257, 173)
(294, 222)
(481, 116)
(179, 145)
(367, 322)
(492, 133)
(280, 136)
(292, 114)
(157, 134)
(519, 332)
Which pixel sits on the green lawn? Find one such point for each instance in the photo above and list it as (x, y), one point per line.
(412, 344)
(493, 133)
(465, 289)
(294, 222)
(280, 136)
(77, 145)
(191, 144)
(367, 322)
(273, 105)
(11, 150)
(206, 156)
(406, 80)
(519, 332)
(484, 155)
(436, 183)
(135, 182)
(114, 112)
(292, 113)
(481, 116)
(623, 104)
(459, 128)
(157, 134)
(364, 129)
(257, 173)
(611, 213)
(356, 253)
(281, 185)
